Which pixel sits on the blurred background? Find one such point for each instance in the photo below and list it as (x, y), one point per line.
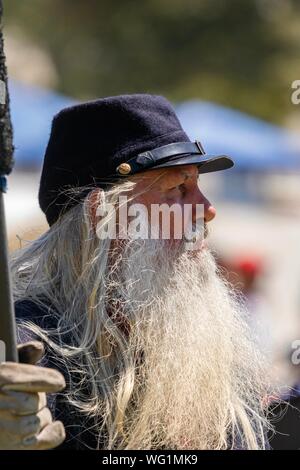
(228, 67)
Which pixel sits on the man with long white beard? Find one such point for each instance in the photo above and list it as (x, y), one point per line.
(152, 344)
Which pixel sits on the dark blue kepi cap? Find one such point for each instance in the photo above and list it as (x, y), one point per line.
(98, 142)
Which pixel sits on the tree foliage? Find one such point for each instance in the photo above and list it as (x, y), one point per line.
(244, 54)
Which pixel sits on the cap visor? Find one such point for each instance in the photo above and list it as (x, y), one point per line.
(206, 163)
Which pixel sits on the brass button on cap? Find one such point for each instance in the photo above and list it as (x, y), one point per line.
(124, 169)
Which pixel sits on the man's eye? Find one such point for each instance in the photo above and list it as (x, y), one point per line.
(180, 187)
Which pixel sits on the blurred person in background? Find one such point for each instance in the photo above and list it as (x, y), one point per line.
(246, 273)
(151, 342)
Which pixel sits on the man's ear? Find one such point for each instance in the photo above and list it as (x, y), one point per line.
(95, 198)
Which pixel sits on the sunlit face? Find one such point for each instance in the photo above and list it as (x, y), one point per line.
(175, 185)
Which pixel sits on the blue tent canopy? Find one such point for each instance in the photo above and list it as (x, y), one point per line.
(32, 110)
(254, 144)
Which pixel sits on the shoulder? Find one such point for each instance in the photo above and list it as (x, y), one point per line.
(78, 427)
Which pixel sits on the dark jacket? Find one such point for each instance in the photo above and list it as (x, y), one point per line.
(77, 426)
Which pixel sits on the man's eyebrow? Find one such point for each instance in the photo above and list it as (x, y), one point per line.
(189, 175)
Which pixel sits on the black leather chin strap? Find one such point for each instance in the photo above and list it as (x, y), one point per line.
(159, 155)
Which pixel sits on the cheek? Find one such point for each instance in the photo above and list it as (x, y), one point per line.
(174, 220)
(147, 198)
(146, 201)
(173, 225)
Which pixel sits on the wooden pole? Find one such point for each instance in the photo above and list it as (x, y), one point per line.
(8, 351)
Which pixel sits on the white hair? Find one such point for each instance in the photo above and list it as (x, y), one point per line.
(157, 335)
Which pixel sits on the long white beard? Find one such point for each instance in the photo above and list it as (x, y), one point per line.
(200, 379)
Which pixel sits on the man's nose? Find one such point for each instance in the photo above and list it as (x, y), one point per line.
(209, 210)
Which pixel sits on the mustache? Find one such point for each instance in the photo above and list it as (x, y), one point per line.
(206, 230)
(199, 231)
